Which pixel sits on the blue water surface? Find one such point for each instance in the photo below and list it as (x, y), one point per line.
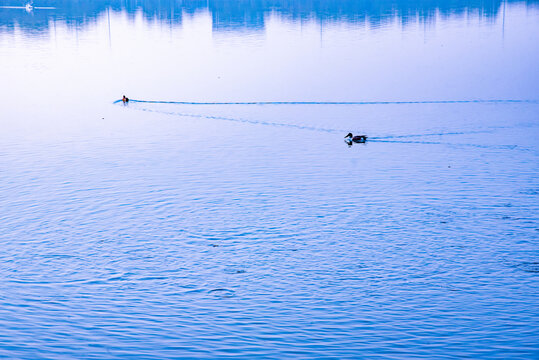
(185, 230)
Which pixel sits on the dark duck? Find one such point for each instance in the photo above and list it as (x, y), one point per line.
(357, 139)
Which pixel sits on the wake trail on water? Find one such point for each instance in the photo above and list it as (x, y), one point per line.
(386, 139)
(494, 101)
(246, 121)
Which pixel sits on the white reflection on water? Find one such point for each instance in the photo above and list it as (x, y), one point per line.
(183, 230)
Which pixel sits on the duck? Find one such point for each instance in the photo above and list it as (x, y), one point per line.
(125, 99)
(29, 7)
(356, 139)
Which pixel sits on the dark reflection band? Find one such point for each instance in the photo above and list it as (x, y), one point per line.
(245, 15)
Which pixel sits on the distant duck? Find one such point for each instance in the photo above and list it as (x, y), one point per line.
(29, 7)
(125, 99)
(356, 139)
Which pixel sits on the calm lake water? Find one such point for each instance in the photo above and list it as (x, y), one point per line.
(163, 230)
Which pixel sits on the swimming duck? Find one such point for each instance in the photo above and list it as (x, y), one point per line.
(356, 139)
(125, 99)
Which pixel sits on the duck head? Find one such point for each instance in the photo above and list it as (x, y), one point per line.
(349, 136)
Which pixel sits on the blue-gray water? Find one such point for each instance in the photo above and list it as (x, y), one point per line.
(163, 230)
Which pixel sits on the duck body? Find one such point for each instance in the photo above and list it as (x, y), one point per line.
(357, 138)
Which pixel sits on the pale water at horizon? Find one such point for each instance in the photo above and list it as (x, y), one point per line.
(168, 230)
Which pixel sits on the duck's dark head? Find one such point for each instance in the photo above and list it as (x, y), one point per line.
(349, 135)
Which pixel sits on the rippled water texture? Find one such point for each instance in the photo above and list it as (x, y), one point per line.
(188, 230)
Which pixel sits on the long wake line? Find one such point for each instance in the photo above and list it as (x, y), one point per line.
(385, 139)
(496, 101)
